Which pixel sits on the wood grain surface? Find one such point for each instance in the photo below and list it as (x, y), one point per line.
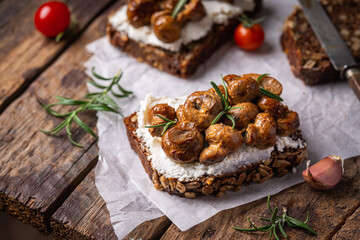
(38, 171)
(24, 52)
(91, 219)
(47, 182)
(328, 212)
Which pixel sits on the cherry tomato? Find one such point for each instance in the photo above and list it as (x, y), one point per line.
(249, 38)
(52, 18)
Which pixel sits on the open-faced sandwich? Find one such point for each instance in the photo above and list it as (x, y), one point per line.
(216, 140)
(175, 36)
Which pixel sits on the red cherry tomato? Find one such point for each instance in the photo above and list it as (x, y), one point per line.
(249, 38)
(52, 18)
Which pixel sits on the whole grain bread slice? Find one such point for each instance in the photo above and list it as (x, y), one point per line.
(307, 58)
(183, 63)
(279, 164)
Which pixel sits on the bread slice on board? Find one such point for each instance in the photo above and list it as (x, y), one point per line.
(183, 63)
(307, 58)
(279, 164)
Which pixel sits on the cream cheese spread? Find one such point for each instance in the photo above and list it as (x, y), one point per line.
(190, 171)
(217, 13)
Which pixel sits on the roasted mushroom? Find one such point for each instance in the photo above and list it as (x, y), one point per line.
(241, 89)
(166, 28)
(261, 133)
(163, 110)
(201, 108)
(168, 4)
(287, 124)
(267, 82)
(222, 140)
(180, 113)
(242, 116)
(183, 142)
(270, 105)
(193, 11)
(139, 12)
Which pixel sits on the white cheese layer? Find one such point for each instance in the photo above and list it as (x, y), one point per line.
(217, 13)
(189, 171)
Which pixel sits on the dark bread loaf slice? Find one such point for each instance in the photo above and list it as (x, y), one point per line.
(307, 58)
(183, 63)
(278, 164)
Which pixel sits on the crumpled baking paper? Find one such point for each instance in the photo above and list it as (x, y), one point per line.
(329, 114)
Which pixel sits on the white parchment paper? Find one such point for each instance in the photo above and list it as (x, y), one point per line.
(329, 114)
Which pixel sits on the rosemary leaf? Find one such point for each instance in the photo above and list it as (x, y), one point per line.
(84, 126)
(98, 76)
(217, 90)
(96, 84)
(307, 217)
(57, 128)
(261, 76)
(158, 125)
(274, 232)
(300, 224)
(218, 117)
(121, 89)
(70, 138)
(282, 230)
(178, 7)
(119, 95)
(267, 93)
(231, 119)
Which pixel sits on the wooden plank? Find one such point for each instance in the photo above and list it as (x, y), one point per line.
(84, 216)
(350, 230)
(24, 52)
(37, 172)
(328, 211)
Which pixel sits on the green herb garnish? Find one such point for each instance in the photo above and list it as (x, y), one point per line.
(178, 7)
(225, 103)
(278, 222)
(96, 101)
(267, 93)
(247, 22)
(168, 124)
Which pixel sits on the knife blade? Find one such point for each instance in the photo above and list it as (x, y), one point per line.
(333, 44)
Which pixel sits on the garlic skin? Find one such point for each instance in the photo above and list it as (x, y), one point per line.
(325, 174)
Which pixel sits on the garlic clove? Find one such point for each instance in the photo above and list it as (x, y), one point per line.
(325, 174)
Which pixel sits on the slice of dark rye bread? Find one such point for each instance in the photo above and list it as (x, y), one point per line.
(183, 63)
(279, 164)
(307, 58)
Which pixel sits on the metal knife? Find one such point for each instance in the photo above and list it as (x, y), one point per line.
(333, 44)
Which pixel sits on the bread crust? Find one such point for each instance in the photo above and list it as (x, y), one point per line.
(277, 165)
(183, 63)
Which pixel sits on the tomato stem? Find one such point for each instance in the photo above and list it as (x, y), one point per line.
(249, 23)
(69, 31)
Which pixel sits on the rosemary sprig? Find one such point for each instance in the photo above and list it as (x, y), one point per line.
(168, 124)
(96, 101)
(278, 222)
(265, 92)
(178, 7)
(225, 103)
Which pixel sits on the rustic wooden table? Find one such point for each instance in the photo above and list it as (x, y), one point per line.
(48, 183)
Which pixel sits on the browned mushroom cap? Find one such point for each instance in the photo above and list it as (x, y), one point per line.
(241, 89)
(287, 124)
(139, 12)
(183, 142)
(193, 11)
(166, 28)
(201, 108)
(243, 116)
(168, 4)
(270, 105)
(180, 113)
(262, 133)
(222, 140)
(267, 82)
(163, 110)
